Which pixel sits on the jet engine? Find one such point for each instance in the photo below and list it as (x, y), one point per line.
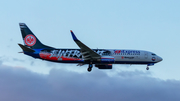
(104, 66)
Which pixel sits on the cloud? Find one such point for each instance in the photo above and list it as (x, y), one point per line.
(19, 84)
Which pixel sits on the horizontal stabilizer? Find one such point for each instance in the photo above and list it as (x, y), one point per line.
(24, 48)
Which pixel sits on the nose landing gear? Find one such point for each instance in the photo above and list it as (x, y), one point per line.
(147, 68)
(150, 64)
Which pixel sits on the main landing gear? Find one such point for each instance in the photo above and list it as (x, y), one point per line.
(90, 67)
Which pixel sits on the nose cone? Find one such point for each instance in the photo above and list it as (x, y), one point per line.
(159, 59)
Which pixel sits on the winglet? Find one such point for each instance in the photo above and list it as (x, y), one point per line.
(74, 37)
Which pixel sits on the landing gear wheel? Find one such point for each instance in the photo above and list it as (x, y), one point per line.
(90, 67)
(147, 68)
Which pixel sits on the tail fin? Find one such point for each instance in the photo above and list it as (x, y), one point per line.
(30, 39)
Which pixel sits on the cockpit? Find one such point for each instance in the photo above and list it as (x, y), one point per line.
(153, 54)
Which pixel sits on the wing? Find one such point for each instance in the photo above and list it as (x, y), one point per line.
(88, 54)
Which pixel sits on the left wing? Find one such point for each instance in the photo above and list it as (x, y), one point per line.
(88, 54)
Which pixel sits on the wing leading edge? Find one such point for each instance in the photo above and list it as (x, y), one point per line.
(87, 53)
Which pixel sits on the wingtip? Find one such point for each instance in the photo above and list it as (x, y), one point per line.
(74, 37)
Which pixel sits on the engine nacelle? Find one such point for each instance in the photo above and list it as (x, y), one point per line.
(106, 66)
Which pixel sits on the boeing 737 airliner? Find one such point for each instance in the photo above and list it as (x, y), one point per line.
(100, 58)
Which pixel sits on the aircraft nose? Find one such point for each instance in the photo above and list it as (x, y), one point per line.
(159, 59)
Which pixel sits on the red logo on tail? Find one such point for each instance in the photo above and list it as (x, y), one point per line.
(30, 40)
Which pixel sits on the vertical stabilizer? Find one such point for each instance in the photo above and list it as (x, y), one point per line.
(30, 39)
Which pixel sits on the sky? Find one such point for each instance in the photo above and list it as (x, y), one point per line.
(116, 24)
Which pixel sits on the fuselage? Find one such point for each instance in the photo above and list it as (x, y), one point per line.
(108, 56)
(102, 58)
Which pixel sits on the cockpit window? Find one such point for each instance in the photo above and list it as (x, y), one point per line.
(153, 54)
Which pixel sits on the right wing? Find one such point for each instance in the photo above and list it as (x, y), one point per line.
(88, 54)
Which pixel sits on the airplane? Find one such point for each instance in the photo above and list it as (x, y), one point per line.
(100, 58)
